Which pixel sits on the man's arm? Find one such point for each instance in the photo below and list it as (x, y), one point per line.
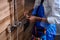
(41, 19)
(34, 19)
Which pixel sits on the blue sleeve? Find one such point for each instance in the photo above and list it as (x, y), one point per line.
(34, 11)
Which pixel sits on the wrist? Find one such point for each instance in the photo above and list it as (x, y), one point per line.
(38, 18)
(44, 19)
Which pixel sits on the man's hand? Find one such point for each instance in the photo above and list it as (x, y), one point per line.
(26, 14)
(32, 19)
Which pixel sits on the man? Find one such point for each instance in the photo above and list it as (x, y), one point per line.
(52, 12)
(39, 27)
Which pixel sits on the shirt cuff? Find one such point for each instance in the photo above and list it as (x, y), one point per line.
(51, 20)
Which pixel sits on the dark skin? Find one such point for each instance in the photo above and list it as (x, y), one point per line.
(34, 19)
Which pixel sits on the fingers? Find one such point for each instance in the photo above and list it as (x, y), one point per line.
(27, 16)
(25, 13)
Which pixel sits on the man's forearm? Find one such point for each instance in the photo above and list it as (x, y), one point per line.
(44, 20)
(41, 19)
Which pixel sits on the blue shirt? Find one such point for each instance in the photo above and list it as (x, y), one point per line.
(51, 28)
(40, 13)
